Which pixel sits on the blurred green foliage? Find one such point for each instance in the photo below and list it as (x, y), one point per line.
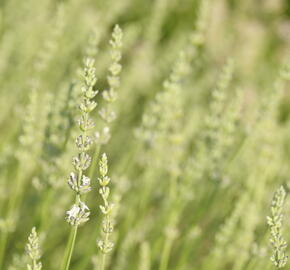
(198, 148)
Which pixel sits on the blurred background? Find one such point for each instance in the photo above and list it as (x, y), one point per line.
(200, 143)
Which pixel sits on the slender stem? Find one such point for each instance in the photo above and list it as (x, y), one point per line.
(3, 241)
(172, 220)
(103, 262)
(166, 253)
(83, 147)
(69, 248)
(71, 241)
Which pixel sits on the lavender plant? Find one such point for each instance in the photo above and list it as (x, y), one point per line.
(33, 251)
(106, 112)
(194, 127)
(105, 244)
(78, 181)
(279, 244)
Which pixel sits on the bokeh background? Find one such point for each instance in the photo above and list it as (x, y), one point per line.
(200, 143)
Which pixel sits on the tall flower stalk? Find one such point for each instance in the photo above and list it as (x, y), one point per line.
(33, 251)
(78, 181)
(107, 114)
(109, 95)
(105, 244)
(277, 240)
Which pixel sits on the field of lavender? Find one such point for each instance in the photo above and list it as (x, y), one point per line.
(144, 134)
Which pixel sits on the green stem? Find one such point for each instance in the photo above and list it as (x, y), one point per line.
(3, 241)
(165, 254)
(172, 221)
(103, 262)
(69, 248)
(89, 252)
(71, 241)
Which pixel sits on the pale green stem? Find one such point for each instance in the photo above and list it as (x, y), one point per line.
(169, 240)
(69, 249)
(166, 253)
(103, 262)
(73, 233)
(91, 174)
(3, 241)
(72, 238)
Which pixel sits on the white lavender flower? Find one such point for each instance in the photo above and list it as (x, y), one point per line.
(82, 161)
(105, 244)
(84, 142)
(110, 95)
(279, 245)
(33, 251)
(78, 181)
(83, 187)
(78, 214)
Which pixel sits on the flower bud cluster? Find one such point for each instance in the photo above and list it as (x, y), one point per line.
(279, 245)
(78, 181)
(78, 214)
(105, 244)
(110, 95)
(33, 251)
